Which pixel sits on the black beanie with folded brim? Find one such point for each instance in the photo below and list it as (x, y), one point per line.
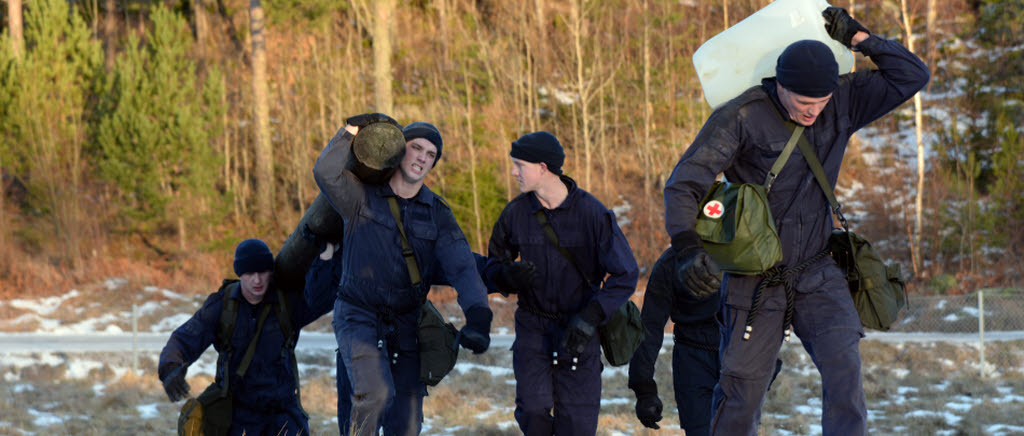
(425, 130)
(540, 147)
(253, 255)
(808, 68)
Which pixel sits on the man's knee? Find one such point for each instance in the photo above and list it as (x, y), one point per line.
(373, 399)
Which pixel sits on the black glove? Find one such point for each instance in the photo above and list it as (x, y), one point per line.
(840, 25)
(648, 409)
(476, 334)
(364, 120)
(582, 328)
(698, 273)
(175, 384)
(515, 276)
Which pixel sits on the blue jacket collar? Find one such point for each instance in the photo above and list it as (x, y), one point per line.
(425, 196)
(570, 198)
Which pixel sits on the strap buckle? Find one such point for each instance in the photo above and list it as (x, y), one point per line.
(771, 180)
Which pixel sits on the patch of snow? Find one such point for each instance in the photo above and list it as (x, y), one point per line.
(903, 390)
(170, 323)
(46, 305)
(615, 401)
(494, 371)
(44, 419)
(1008, 399)
(148, 411)
(79, 368)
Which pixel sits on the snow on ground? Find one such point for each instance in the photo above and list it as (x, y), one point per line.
(168, 309)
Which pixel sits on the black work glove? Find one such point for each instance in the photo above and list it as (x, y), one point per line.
(582, 327)
(698, 273)
(840, 25)
(515, 276)
(648, 405)
(364, 120)
(476, 334)
(175, 384)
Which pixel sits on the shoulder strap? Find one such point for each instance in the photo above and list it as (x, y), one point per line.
(225, 329)
(819, 172)
(251, 350)
(549, 231)
(781, 161)
(228, 316)
(819, 175)
(407, 253)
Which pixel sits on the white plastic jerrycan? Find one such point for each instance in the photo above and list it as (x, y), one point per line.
(745, 53)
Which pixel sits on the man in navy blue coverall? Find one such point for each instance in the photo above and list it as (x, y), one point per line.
(556, 356)
(323, 279)
(265, 400)
(377, 309)
(694, 357)
(742, 139)
(695, 365)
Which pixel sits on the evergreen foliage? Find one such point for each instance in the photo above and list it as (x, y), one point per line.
(46, 101)
(157, 126)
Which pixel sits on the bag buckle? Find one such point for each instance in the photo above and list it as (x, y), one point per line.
(771, 180)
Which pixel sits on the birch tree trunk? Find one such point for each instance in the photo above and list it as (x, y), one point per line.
(725, 14)
(109, 33)
(202, 27)
(477, 225)
(383, 17)
(14, 23)
(930, 16)
(261, 113)
(647, 154)
(918, 131)
(581, 88)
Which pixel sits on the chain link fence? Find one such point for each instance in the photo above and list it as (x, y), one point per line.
(991, 320)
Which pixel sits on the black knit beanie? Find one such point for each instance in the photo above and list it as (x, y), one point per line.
(540, 147)
(808, 68)
(425, 130)
(253, 255)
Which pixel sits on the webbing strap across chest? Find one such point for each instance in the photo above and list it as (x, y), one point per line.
(780, 275)
(228, 319)
(407, 252)
(549, 231)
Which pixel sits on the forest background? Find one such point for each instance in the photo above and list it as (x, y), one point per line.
(144, 138)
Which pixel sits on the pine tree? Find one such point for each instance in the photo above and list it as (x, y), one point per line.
(157, 127)
(44, 117)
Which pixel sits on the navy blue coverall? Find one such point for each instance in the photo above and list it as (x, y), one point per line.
(265, 401)
(589, 231)
(742, 139)
(695, 354)
(377, 309)
(322, 283)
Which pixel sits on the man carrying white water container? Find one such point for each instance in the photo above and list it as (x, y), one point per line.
(805, 292)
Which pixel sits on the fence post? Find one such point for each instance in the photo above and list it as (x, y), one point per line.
(981, 330)
(135, 338)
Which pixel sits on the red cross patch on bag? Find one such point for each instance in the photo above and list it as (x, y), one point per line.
(714, 209)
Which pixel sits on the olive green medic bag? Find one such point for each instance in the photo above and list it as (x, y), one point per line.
(735, 221)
